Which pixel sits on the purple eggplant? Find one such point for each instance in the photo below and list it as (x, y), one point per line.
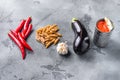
(81, 42)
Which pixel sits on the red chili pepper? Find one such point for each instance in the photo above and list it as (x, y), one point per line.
(24, 42)
(15, 39)
(21, 25)
(28, 31)
(23, 35)
(26, 25)
(14, 33)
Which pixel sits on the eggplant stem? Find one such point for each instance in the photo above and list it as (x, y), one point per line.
(73, 19)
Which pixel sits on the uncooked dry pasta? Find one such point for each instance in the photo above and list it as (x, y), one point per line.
(48, 35)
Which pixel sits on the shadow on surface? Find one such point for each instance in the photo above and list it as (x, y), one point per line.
(88, 56)
(67, 55)
(113, 50)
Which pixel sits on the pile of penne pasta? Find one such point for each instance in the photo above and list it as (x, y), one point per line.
(48, 35)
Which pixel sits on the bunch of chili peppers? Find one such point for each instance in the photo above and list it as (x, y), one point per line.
(20, 34)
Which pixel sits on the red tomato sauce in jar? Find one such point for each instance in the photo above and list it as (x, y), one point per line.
(102, 26)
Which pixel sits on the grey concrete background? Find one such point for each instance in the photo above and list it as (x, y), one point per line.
(47, 64)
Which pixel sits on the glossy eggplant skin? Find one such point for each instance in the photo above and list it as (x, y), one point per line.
(81, 42)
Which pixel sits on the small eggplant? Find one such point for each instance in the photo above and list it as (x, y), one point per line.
(81, 42)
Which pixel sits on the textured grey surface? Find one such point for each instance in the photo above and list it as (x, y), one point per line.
(46, 64)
